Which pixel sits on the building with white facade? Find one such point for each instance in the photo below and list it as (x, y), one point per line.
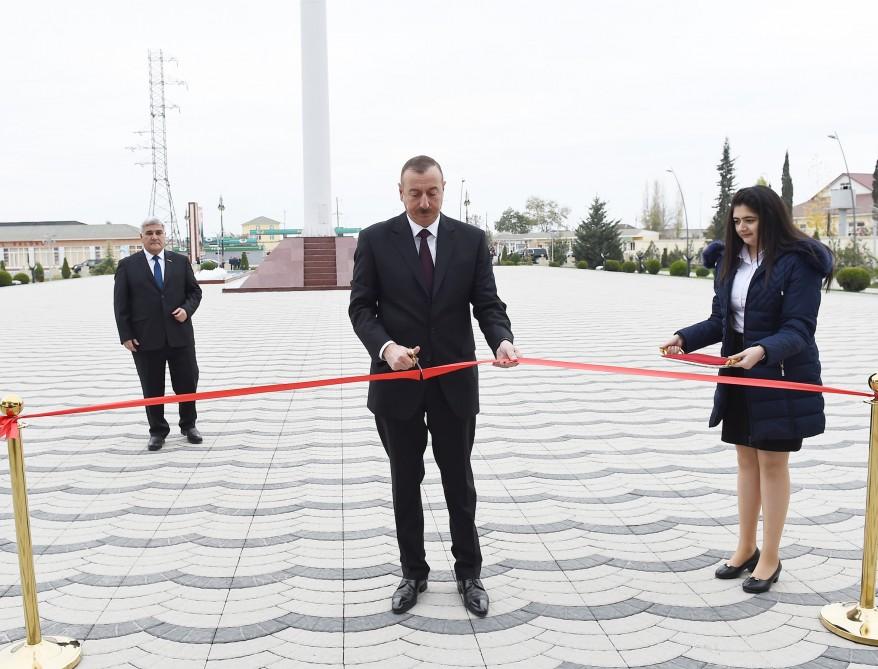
(25, 243)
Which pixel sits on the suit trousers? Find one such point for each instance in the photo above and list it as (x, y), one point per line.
(184, 379)
(405, 442)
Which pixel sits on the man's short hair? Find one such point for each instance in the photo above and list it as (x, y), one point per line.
(152, 220)
(420, 164)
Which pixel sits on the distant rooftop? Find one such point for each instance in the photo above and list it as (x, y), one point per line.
(29, 231)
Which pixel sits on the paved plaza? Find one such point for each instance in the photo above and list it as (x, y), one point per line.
(605, 502)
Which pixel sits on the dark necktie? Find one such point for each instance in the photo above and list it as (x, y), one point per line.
(157, 273)
(426, 259)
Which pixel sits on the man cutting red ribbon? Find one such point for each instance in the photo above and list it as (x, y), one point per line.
(415, 277)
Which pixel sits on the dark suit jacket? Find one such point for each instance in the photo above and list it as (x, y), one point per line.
(143, 312)
(389, 301)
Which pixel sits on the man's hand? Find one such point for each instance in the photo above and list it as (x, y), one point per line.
(747, 358)
(507, 355)
(131, 345)
(179, 314)
(401, 358)
(674, 345)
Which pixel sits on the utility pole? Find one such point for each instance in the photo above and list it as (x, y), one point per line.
(161, 203)
(337, 217)
(222, 208)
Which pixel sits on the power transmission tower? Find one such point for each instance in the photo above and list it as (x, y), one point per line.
(161, 203)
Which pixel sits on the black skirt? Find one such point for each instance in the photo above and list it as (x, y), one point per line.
(736, 419)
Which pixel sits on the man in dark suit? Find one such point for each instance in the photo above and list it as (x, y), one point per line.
(154, 298)
(415, 277)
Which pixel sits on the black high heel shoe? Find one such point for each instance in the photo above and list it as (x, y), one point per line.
(726, 571)
(757, 585)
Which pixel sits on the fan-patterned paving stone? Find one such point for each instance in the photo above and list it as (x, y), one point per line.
(605, 501)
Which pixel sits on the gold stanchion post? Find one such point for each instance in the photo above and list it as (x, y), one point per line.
(858, 621)
(36, 651)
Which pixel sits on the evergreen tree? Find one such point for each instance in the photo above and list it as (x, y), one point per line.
(65, 270)
(726, 183)
(597, 237)
(39, 273)
(665, 261)
(245, 262)
(786, 184)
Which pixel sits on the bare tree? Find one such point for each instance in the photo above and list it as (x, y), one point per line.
(546, 215)
(658, 217)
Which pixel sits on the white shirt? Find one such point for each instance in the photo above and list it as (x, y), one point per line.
(431, 244)
(741, 286)
(151, 262)
(431, 240)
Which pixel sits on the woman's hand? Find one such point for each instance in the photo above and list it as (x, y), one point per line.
(674, 345)
(747, 358)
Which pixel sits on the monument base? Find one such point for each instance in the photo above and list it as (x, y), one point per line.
(304, 263)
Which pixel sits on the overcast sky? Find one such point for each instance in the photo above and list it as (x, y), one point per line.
(561, 99)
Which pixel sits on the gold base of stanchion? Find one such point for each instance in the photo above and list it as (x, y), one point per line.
(53, 652)
(851, 622)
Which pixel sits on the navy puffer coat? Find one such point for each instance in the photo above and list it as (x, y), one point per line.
(781, 316)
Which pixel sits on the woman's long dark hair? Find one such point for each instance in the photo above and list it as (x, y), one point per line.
(777, 234)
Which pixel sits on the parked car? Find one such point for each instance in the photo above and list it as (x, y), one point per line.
(536, 254)
(92, 262)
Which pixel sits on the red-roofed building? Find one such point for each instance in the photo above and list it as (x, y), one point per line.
(823, 211)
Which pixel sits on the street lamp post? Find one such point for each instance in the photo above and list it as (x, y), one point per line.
(686, 218)
(222, 208)
(460, 207)
(851, 188)
(466, 204)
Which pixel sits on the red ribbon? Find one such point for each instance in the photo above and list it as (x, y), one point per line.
(9, 424)
(9, 427)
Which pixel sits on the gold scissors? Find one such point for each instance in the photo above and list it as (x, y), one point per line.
(415, 362)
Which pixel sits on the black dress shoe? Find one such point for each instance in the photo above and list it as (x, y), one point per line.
(728, 571)
(757, 585)
(193, 435)
(475, 599)
(406, 595)
(155, 443)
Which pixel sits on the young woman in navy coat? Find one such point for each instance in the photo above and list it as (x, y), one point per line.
(766, 298)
